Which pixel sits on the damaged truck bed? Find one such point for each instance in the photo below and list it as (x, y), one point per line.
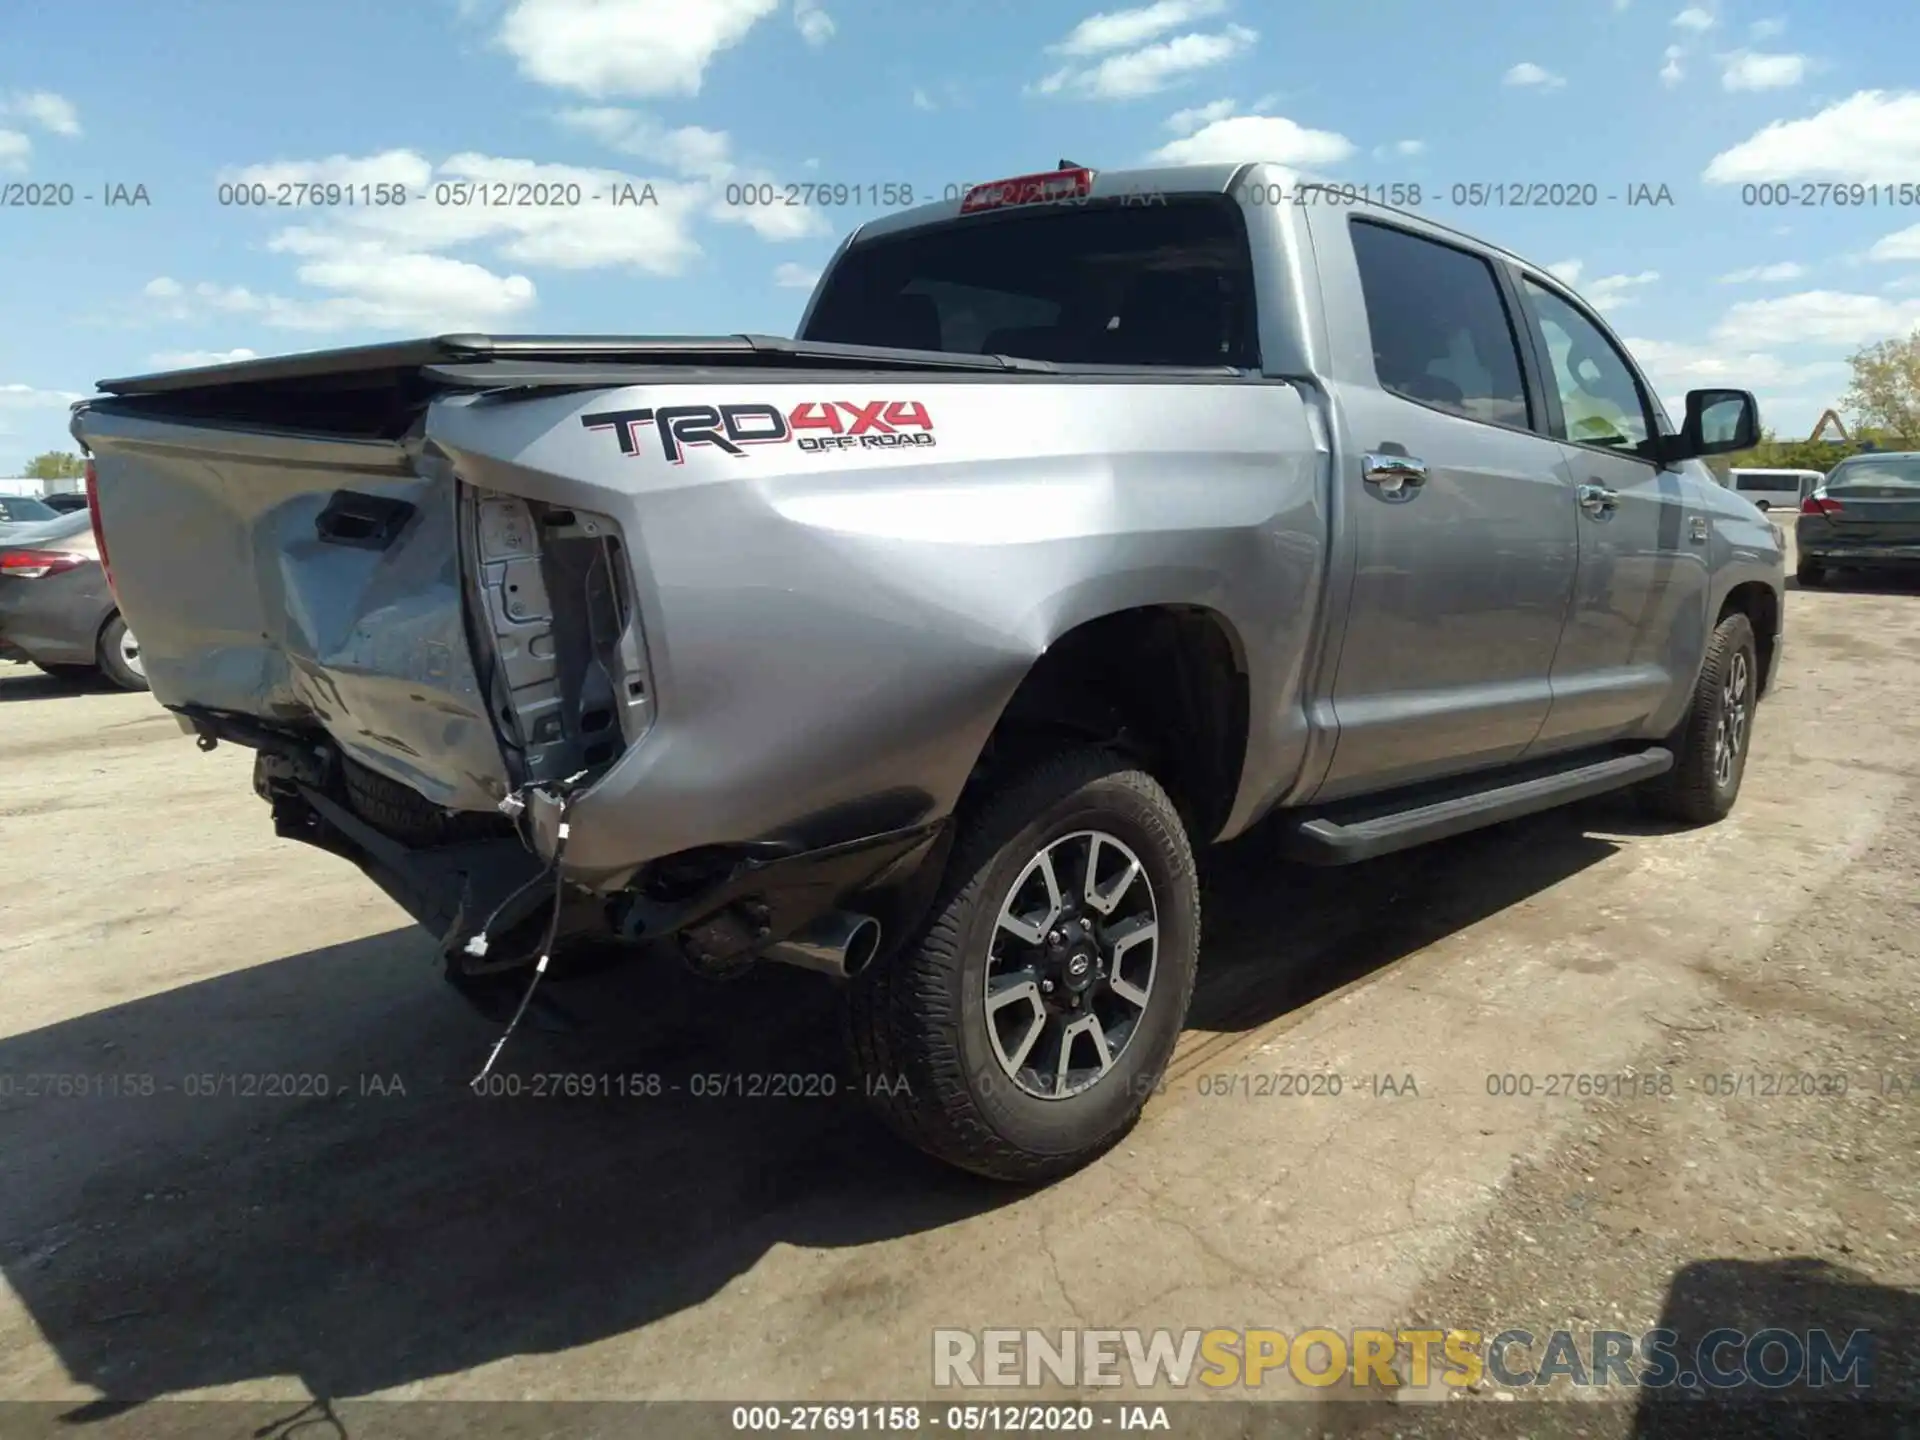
(1090, 518)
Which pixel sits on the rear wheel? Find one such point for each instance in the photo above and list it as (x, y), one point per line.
(120, 656)
(1710, 747)
(1020, 1032)
(1810, 572)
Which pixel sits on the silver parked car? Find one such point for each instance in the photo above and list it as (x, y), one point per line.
(1865, 514)
(56, 609)
(1088, 519)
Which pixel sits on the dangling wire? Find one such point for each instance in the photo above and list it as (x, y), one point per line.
(565, 792)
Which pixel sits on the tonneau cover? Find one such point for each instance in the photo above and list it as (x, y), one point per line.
(531, 350)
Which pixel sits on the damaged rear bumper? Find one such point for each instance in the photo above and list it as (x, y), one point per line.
(723, 904)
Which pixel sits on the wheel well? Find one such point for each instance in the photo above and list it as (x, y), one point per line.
(1756, 600)
(1165, 684)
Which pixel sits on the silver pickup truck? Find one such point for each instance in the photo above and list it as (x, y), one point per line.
(1088, 518)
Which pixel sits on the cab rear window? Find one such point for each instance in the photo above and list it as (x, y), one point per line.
(1092, 283)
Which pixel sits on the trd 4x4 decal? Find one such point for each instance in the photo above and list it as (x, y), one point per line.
(812, 425)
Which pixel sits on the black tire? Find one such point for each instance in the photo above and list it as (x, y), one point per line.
(1698, 790)
(1810, 572)
(112, 652)
(918, 1022)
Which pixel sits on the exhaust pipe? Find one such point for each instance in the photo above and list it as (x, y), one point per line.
(837, 944)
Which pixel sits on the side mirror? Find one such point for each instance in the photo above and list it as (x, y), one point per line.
(1718, 422)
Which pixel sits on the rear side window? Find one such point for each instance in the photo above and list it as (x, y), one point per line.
(1164, 284)
(1441, 332)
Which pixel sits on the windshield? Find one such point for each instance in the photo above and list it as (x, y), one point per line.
(1163, 284)
(1897, 476)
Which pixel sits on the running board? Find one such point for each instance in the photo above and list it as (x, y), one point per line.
(1327, 839)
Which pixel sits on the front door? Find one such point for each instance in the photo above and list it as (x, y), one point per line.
(1637, 622)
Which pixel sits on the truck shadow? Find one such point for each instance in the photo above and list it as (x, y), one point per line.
(29, 682)
(366, 1221)
(1877, 1326)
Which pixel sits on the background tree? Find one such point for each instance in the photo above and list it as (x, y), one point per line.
(56, 465)
(1885, 394)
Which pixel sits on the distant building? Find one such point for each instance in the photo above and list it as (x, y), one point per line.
(31, 485)
(1830, 430)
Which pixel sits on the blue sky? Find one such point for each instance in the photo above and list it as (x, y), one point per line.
(695, 96)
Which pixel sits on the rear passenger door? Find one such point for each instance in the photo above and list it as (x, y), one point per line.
(1636, 629)
(1458, 509)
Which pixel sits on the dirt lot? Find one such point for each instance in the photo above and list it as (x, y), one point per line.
(397, 1237)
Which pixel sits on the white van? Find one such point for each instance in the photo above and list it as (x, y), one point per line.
(1775, 488)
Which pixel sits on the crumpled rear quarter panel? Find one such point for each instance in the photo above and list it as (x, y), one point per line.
(834, 634)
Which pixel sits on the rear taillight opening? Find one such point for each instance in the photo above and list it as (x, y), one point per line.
(99, 531)
(37, 564)
(1819, 504)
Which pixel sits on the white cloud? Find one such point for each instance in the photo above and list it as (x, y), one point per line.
(922, 100)
(1126, 29)
(1750, 70)
(815, 25)
(1900, 245)
(789, 276)
(1672, 72)
(604, 48)
(1603, 292)
(1676, 368)
(1869, 136)
(1532, 76)
(14, 150)
(704, 160)
(1784, 270)
(1615, 292)
(393, 267)
(28, 397)
(1400, 150)
(1823, 317)
(1151, 68)
(1257, 137)
(49, 111)
(374, 283)
(1695, 19)
(194, 359)
(1185, 122)
(1766, 29)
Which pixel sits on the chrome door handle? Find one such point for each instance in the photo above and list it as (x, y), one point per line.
(1394, 474)
(1598, 499)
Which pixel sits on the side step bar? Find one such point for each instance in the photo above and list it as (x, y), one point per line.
(1325, 838)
